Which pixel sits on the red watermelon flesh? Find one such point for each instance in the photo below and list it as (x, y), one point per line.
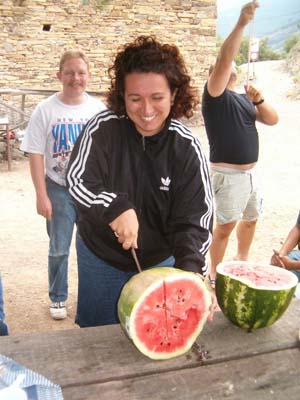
(258, 276)
(165, 320)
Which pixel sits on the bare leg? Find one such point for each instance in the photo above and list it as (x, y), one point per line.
(219, 244)
(245, 232)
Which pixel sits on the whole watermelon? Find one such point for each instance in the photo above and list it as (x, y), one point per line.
(253, 296)
(163, 310)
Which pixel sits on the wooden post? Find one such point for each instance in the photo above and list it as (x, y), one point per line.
(8, 152)
(23, 106)
(4, 121)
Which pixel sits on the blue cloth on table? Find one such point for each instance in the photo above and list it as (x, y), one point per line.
(36, 386)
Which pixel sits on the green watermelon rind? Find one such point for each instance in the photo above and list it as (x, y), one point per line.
(247, 306)
(130, 301)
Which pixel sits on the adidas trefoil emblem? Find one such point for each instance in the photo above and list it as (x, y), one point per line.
(166, 183)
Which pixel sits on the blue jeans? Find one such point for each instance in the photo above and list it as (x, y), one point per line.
(3, 326)
(60, 231)
(295, 255)
(99, 287)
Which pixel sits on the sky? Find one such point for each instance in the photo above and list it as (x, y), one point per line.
(272, 15)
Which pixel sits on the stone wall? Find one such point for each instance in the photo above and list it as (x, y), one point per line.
(34, 34)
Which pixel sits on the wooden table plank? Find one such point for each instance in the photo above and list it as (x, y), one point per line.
(263, 377)
(238, 342)
(97, 355)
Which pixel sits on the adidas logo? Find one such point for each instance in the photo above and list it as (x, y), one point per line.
(166, 183)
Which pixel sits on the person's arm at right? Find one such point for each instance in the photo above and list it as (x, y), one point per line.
(37, 170)
(290, 243)
(220, 75)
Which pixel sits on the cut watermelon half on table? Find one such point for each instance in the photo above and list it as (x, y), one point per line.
(252, 295)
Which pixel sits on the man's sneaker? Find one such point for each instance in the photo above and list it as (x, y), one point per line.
(58, 310)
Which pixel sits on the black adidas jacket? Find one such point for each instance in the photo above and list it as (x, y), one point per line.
(163, 177)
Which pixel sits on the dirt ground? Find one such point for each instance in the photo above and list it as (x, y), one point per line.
(24, 242)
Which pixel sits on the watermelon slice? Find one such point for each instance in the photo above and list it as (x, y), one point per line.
(253, 296)
(163, 310)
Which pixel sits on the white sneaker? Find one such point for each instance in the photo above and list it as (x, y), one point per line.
(58, 310)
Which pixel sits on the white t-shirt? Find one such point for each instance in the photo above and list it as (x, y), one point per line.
(53, 129)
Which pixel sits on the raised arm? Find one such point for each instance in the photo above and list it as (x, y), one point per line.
(221, 72)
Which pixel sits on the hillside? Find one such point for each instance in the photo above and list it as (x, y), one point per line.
(275, 20)
(277, 38)
(293, 67)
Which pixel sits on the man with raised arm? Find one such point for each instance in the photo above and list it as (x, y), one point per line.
(230, 119)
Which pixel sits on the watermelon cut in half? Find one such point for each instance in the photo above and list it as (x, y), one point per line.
(253, 296)
(163, 310)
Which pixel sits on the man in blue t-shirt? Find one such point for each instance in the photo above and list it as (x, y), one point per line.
(229, 119)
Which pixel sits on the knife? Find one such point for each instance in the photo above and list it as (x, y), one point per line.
(137, 263)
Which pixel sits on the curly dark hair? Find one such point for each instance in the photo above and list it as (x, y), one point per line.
(146, 54)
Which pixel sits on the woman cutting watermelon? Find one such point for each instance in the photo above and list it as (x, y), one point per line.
(139, 180)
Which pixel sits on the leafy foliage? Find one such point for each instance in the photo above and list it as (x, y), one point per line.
(265, 52)
(291, 41)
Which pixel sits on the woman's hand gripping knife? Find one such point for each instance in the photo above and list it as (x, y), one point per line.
(125, 228)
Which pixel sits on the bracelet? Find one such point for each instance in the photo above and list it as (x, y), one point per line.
(212, 281)
(257, 103)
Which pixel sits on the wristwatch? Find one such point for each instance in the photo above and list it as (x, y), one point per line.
(257, 103)
(212, 282)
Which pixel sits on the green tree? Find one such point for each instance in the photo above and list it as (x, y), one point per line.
(242, 56)
(290, 42)
(265, 52)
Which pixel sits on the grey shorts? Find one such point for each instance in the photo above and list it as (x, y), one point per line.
(237, 194)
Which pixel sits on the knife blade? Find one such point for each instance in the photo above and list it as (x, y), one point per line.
(137, 263)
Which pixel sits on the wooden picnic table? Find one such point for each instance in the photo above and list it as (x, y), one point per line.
(102, 363)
